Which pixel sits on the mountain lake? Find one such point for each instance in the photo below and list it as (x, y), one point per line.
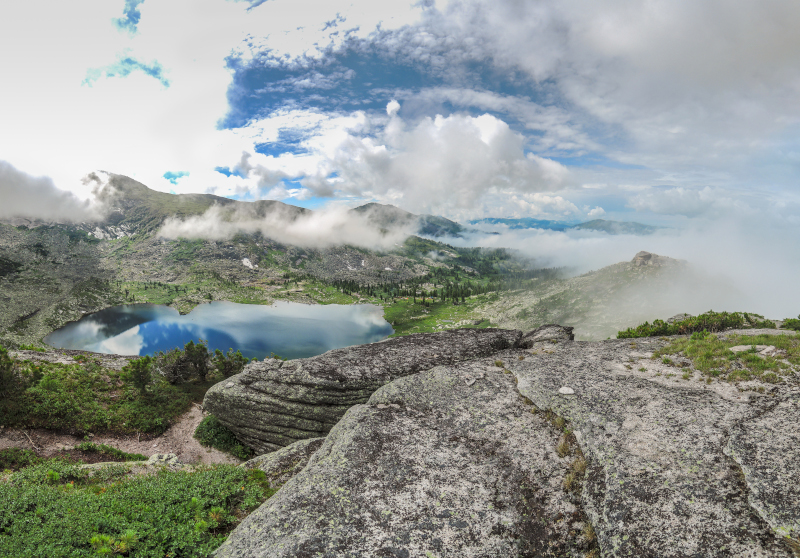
(288, 329)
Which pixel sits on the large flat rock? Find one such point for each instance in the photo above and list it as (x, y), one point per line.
(678, 467)
(470, 459)
(273, 404)
(449, 462)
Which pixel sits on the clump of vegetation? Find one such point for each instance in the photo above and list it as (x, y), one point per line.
(17, 458)
(103, 449)
(177, 366)
(80, 512)
(85, 397)
(714, 359)
(230, 364)
(29, 347)
(792, 323)
(195, 362)
(212, 433)
(710, 322)
(8, 375)
(139, 372)
(82, 397)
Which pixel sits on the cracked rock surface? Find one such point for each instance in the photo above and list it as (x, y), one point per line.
(471, 459)
(429, 466)
(273, 403)
(676, 468)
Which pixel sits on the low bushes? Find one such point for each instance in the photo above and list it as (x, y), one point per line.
(195, 362)
(792, 323)
(212, 433)
(56, 509)
(710, 321)
(146, 396)
(103, 449)
(85, 397)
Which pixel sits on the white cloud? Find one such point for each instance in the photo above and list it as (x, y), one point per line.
(596, 212)
(432, 164)
(393, 107)
(31, 197)
(320, 229)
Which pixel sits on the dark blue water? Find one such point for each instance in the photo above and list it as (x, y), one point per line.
(288, 329)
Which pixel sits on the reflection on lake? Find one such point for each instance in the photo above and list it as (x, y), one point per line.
(288, 329)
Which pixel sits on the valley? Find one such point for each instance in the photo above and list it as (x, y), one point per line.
(54, 273)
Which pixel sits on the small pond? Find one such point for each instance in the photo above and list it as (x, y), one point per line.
(288, 329)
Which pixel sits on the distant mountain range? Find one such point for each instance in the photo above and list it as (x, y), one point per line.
(600, 225)
(389, 216)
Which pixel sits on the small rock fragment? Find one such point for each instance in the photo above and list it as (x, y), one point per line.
(566, 391)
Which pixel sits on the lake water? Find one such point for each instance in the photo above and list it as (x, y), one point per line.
(288, 329)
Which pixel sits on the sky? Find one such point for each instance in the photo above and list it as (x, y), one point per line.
(666, 112)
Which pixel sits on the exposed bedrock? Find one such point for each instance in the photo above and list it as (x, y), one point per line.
(677, 468)
(465, 460)
(272, 404)
(448, 462)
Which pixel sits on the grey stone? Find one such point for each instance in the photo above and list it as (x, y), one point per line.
(282, 465)
(547, 332)
(273, 403)
(433, 466)
(678, 318)
(670, 475)
(163, 459)
(428, 467)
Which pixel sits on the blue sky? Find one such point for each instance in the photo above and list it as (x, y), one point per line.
(664, 112)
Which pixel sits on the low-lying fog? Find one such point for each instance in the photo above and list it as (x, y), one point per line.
(733, 265)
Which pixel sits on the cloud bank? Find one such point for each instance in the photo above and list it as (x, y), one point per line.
(734, 264)
(320, 229)
(32, 197)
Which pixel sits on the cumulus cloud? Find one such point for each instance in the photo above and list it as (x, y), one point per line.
(33, 197)
(596, 212)
(434, 163)
(393, 107)
(318, 229)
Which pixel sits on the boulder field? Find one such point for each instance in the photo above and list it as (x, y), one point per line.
(491, 443)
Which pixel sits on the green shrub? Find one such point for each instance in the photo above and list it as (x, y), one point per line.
(8, 372)
(72, 512)
(17, 458)
(139, 373)
(81, 398)
(230, 364)
(103, 449)
(791, 323)
(212, 433)
(25, 347)
(708, 322)
(177, 366)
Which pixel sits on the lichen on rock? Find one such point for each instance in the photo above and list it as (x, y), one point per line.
(272, 404)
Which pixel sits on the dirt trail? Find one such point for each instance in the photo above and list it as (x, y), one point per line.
(178, 439)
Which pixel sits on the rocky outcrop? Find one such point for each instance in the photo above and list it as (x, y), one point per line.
(273, 403)
(449, 462)
(280, 466)
(646, 258)
(560, 449)
(547, 332)
(663, 479)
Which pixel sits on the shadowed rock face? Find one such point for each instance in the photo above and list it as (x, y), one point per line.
(459, 460)
(272, 404)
